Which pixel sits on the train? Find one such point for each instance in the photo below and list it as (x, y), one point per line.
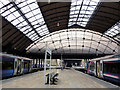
(14, 65)
(107, 68)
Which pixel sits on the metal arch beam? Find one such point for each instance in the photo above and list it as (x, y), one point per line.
(24, 46)
(79, 11)
(29, 31)
(48, 4)
(66, 28)
(84, 17)
(78, 5)
(61, 16)
(85, 5)
(15, 37)
(21, 42)
(65, 18)
(75, 14)
(5, 33)
(55, 8)
(111, 7)
(9, 36)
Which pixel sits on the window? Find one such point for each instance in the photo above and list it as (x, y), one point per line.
(92, 66)
(7, 63)
(26, 64)
(111, 67)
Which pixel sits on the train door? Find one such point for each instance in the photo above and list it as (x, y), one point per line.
(98, 69)
(18, 66)
(95, 68)
(30, 66)
(22, 66)
(101, 68)
(15, 66)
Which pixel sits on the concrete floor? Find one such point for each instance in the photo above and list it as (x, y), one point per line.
(68, 78)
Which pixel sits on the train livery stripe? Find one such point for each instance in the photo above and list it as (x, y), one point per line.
(111, 61)
(109, 75)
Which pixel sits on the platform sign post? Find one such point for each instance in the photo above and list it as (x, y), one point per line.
(47, 52)
(61, 62)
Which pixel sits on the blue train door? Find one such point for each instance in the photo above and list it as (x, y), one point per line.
(18, 66)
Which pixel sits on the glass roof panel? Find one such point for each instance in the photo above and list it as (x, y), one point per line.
(32, 13)
(117, 37)
(87, 7)
(114, 31)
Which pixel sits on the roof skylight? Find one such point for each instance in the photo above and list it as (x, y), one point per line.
(81, 11)
(31, 11)
(114, 30)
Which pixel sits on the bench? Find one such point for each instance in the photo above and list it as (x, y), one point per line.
(53, 77)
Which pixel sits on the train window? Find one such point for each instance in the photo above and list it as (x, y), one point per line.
(118, 68)
(112, 67)
(100, 66)
(92, 66)
(0, 64)
(7, 65)
(26, 64)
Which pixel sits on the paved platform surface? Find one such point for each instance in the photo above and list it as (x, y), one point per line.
(68, 78)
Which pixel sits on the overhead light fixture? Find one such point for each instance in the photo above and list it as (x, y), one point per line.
(58, 24)
(48, 1)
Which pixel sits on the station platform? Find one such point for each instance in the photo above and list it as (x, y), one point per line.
(68, 78)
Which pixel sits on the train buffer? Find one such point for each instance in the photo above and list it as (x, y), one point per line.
(53, 77)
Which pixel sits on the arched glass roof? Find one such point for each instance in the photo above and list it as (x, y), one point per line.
(42, 21)
(73, 40)
(26, 16)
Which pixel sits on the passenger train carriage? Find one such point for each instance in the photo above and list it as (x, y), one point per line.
(14, 65)
(107, 67)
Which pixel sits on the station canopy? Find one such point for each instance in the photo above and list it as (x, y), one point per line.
(78, 26)
(75, 41)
